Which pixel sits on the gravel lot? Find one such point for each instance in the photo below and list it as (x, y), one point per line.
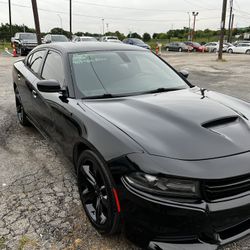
(39, 203)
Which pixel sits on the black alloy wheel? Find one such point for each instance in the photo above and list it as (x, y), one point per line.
(21, 115)
(97, 193)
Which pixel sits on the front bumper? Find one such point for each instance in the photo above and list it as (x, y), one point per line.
(28, 47)
(160, 223)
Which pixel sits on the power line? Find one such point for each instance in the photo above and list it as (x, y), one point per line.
(132, 8)
(109, 18)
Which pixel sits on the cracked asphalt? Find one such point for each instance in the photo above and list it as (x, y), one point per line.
(39, 202)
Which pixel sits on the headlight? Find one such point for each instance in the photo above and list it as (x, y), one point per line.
(163, 186)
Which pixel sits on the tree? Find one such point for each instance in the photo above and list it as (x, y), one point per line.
(155, 35)
(135, 35)
(146, 37)
(60, 31)
(5, 30)
(78, 33)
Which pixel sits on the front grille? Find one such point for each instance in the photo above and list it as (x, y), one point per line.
(221, 189)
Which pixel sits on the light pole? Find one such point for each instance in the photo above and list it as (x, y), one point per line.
(60, 21)
(103, 26)
(107, 25)
(195, 14)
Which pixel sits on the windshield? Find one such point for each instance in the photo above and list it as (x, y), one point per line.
(28, 36)
(59, 38)
(122, 73)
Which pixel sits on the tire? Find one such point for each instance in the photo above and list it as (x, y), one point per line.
(214, 50)
(96, 189)
(248, 52)
(21, 115)
(180, 49)
(230, 51)
(167, 49)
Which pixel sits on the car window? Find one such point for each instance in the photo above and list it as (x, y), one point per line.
(121, 72)
(35, 60)
(53, 68)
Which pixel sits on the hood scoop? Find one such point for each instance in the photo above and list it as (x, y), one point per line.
(220, 122)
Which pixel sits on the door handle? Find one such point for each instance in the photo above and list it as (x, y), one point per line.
(34, 93)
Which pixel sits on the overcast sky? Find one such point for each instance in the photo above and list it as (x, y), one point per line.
(124, 15)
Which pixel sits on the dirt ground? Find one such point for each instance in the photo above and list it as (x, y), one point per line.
(39, 202)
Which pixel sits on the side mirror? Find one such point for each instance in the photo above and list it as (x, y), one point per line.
(48, 41)
(49, 86)
(184, 73)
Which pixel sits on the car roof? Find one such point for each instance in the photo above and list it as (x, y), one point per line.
(70, 47)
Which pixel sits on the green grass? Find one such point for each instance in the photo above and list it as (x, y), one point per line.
(4, 45)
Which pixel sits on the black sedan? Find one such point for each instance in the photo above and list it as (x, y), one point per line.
(154, 155)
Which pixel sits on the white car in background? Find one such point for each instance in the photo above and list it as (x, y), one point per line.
(109, 39)
(84, 39)
(242, 48)
(214, 46)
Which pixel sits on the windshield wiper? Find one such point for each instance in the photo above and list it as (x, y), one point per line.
(160, 90)
(103, 96)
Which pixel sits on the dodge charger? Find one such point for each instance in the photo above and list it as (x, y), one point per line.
(154, 155)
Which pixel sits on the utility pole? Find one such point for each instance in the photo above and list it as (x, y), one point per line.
(195, 14)
(10, 19)
(36, 19)
(232, 25)
(222, 32)
(230, 20)
(107, 25)
(189, 28)
(70, 18)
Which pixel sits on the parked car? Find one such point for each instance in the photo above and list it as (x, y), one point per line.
(178, 46)
(84, 39)
(237, 42)
(137, 42)
(126, 120)
(214, 46)
(24, 42)
(196, 46)
(242, 48)
(108, 38)
(52, 38)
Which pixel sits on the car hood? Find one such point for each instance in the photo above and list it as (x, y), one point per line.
(179, 124)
